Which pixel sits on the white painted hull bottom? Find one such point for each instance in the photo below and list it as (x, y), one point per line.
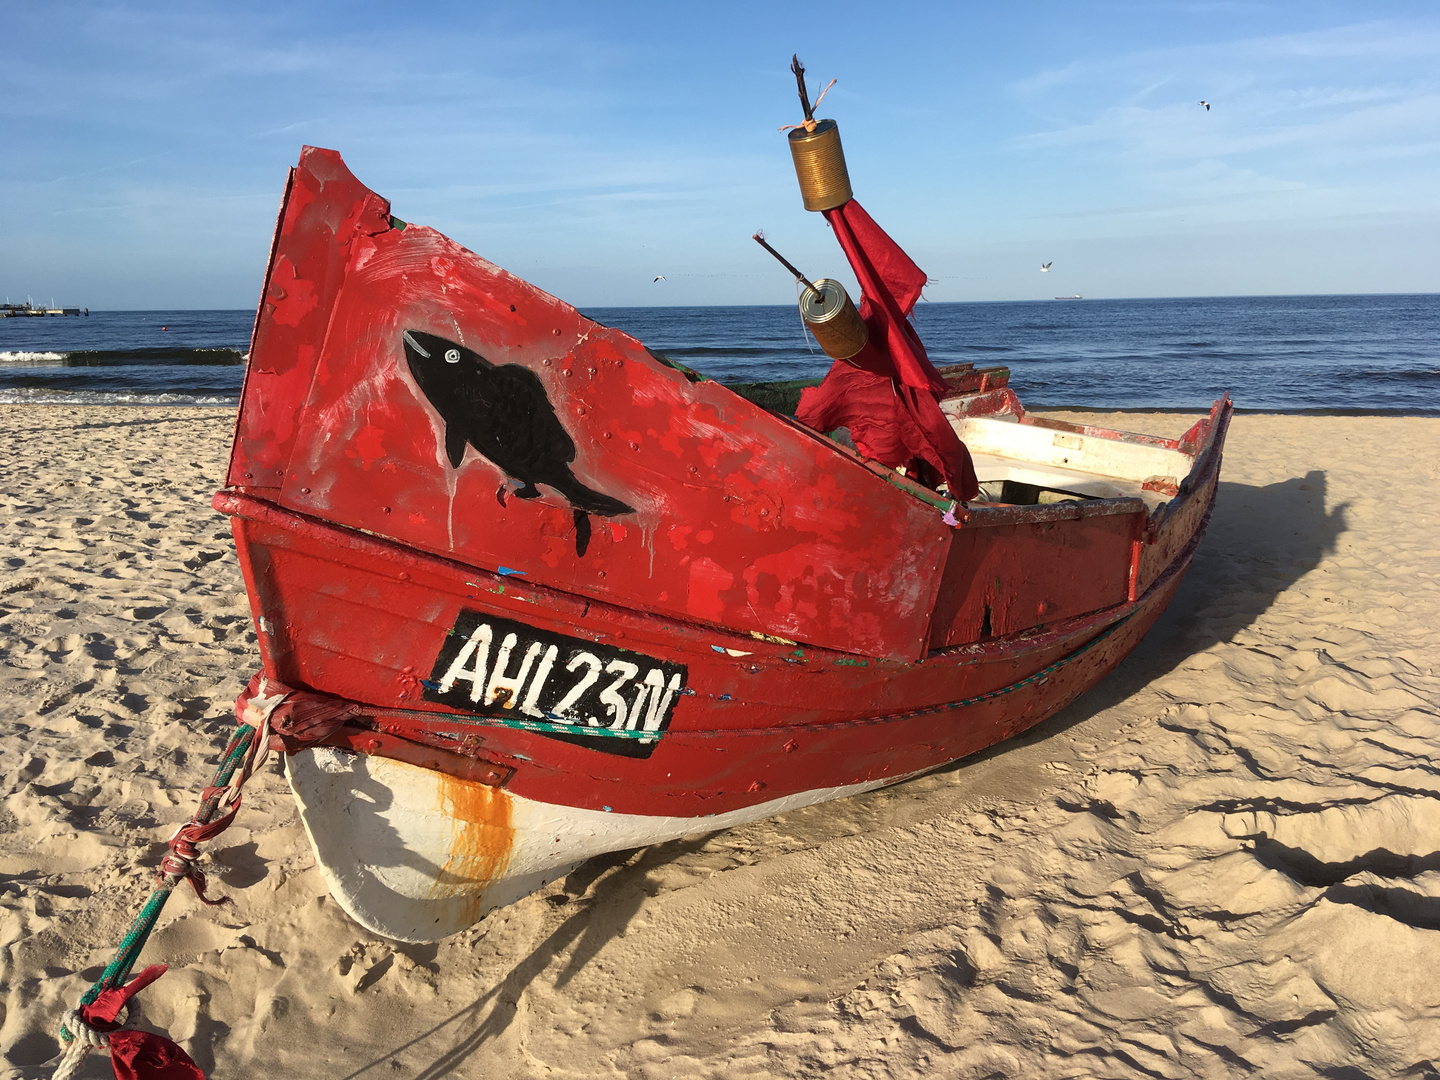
(416, 855)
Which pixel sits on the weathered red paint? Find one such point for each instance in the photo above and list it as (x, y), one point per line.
(740, 521)
(1013, 569)
(361, 543)
(966, 378)
(1171, 526)
(362, 617)
(415, 748)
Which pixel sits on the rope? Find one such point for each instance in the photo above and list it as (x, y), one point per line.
(86, 1039)
(219, 803)
(821, 98)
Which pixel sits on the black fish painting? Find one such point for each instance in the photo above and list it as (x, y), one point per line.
(503, 411)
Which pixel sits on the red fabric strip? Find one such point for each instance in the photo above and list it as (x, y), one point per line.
(887, 393)
(138, 1055)
(143, 1055)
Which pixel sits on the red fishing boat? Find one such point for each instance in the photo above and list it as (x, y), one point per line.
(527, 592)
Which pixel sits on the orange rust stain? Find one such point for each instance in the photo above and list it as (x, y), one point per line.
(481, 840)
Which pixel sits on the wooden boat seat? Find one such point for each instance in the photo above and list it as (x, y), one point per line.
(1001, 475)
(1019, 458)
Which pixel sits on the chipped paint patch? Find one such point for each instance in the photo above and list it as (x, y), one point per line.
(708, 580)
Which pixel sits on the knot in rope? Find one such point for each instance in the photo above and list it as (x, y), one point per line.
(810, 123)
(179, 865)
(74, 1028)
(90, 1026)
(102, 1022)
(272, 716)
(78, 1038)
(291, 719)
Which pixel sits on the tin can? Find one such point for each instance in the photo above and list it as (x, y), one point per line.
(833, 319)
(820, 166)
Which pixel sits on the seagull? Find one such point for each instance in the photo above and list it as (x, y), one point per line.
(1046, 268)
(1206, 104)
(660, 277)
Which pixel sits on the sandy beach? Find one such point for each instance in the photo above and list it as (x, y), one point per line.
(1222, 862)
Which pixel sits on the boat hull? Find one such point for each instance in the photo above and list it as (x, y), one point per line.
(758, 720)
(417, 853)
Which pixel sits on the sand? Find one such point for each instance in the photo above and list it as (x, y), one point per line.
(1221, 862)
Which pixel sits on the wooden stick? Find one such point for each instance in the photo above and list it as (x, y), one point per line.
(819, 296)
(799, 69)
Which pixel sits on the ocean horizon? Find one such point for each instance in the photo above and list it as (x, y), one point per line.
(1373, 353)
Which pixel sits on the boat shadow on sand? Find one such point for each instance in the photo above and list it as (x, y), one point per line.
(1261, 541)
(600, 916)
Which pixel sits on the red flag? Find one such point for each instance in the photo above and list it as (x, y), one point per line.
(890, 284)
(893, 359)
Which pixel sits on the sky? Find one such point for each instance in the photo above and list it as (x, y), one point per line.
(589, 147)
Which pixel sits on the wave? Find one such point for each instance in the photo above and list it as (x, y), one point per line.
(1402, 376)
(30, 395)
(144, 357)
(30, 357)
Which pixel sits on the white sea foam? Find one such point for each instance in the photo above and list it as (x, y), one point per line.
(30, 357)
(27, 395)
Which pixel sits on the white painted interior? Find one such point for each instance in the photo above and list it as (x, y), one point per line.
(1066, 461)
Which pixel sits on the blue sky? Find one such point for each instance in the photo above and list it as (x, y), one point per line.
(589, 147)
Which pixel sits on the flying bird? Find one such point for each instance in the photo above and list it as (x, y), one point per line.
(1046, 268)
(1206, 104)
(659, 277)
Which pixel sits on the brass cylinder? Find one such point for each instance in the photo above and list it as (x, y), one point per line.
(833, 320)
(820, 166)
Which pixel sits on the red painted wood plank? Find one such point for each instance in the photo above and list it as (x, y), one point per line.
(1010, 576)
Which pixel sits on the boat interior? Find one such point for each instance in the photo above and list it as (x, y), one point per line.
(1027, 461)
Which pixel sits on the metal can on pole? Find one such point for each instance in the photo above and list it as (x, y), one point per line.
(831, 316)
(820, 165)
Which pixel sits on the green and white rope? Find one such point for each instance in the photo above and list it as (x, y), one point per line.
(242, 756)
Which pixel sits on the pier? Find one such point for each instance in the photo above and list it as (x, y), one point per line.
(27, 310)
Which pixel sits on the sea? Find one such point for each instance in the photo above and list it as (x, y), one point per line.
(1291, 354)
